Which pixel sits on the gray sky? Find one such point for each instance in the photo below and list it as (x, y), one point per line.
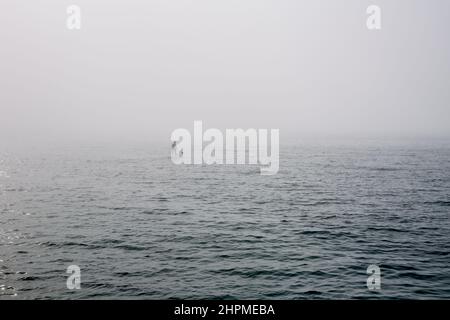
(144, 68)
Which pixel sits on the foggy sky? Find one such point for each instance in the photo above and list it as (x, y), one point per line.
(144, 68)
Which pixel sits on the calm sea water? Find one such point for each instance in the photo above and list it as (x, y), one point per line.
(140, 227)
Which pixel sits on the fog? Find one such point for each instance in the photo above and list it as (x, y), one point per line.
(140, 69)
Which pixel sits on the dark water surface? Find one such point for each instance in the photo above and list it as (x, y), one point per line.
(140, 227)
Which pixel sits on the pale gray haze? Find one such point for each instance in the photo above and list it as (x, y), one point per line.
(87, 170)
(140, 69)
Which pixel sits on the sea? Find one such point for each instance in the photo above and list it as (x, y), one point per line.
(140, 227)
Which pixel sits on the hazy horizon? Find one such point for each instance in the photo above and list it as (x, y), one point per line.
(138, 71)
